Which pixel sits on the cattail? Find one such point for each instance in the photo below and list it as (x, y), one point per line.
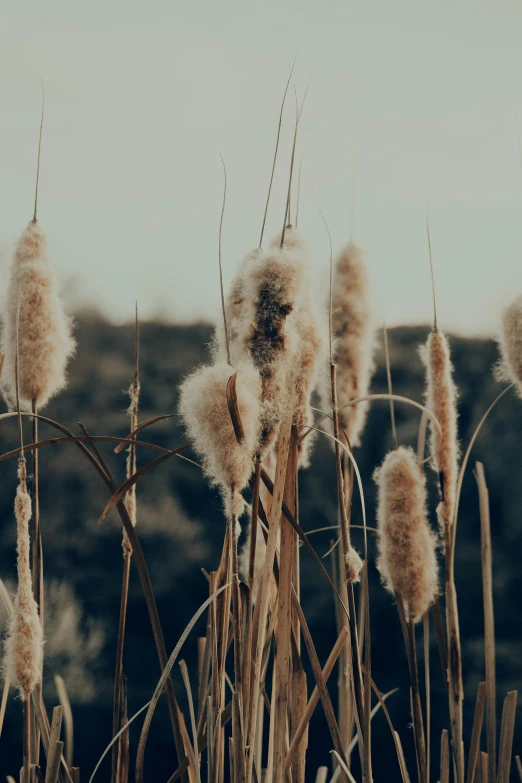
(261, 317)
(205, 412)
(309, 352)
(441, 398)
(45, 340)
(407, 560)
(354, 340)
(355, 564)
(510, 366)
(24, 643)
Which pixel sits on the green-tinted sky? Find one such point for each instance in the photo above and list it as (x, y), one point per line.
(141, 96)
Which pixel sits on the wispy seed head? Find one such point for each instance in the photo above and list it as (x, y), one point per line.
(45, 342)
(407, 560)
(441, 400)
(204, 409)
(354, 339)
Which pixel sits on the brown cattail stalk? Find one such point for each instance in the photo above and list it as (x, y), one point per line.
(119, 748)
(349, 554)
(407, 560)
(441, 399)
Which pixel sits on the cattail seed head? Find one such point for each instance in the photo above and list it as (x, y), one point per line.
(45, 342)
(24, 642)
(204, 410)
(311, 342)
(441, 396)
(407, 560)
(354, 565)
(354, 340)
(510, 366)
(261, 317)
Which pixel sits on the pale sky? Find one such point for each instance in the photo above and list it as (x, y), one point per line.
(420, 99)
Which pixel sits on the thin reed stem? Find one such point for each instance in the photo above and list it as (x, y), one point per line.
(27, 737)
(431, 267)
(116, 710)
(39, 151)
(220, 259)
(275, 155)
(390, 386)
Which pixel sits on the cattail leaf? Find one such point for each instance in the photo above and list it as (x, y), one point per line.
(233, 408)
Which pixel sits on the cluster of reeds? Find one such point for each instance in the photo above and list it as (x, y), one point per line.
(251, 421)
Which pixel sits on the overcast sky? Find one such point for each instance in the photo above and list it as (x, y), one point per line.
(419, 99)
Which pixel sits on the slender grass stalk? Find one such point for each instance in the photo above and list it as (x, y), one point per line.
(489, 621)
(63, 698)
(474, 747)
(130, 502)
(284, 625)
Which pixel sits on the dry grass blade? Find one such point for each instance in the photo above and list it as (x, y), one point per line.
(519, 767)
(67, 717)
(489, 620)
(389, 397)
(120, 493)
(3, 705)
(233, 408)
(53, 764)
(283, 450)
(163, 679)
(322, 775)
(275, 153)
(444, 757)
(117, 737)
(269, 484)
(395, 736)
(314, 698)
(143, 425)
(468, 452)
(186, 682)
(474, 747)
(380, 705)
(55, 748)
(427, 689)
(321, 683)
(283, 629)
(506, 737)
(344, 767)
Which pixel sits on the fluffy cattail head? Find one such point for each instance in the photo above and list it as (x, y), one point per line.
(261, 317)
(510, 366)
(310, 346)
(45, 342)
(407, 560)
(205, 412)
(24, 643)
(354, 565)
(441, 397)
(354, 339)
